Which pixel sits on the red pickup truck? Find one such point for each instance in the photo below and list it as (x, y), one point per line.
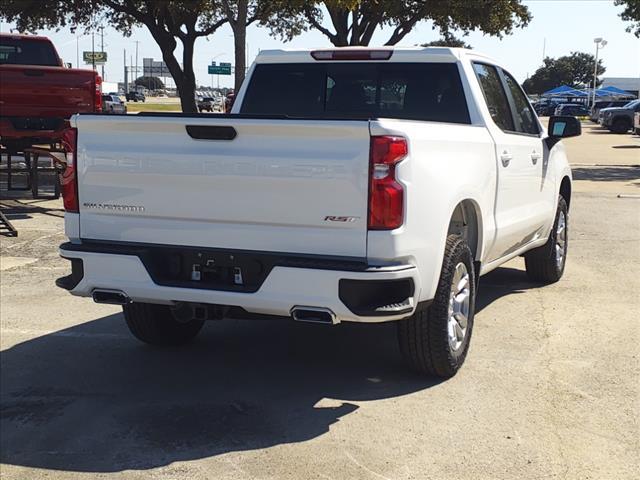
(38, 93)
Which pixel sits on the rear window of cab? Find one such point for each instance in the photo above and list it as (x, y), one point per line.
(413, 91)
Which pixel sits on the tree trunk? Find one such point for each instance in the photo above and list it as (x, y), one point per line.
(184, 77)
(188, 90)
(239, 42)
(239, 27)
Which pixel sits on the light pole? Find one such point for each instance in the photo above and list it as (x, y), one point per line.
(600, 43)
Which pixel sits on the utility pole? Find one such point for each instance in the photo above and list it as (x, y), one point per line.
(93, 51)
(137, 42)
(600, 43)
(102, 47)
(126, 77)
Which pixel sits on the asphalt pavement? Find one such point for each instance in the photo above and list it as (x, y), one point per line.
(550, 389)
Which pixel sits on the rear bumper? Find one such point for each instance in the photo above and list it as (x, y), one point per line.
(369, 294)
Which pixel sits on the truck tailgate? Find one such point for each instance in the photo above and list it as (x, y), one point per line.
(37, 91)
(280, 185)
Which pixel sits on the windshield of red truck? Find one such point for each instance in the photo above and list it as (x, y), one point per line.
(415, 91)
(21, 51)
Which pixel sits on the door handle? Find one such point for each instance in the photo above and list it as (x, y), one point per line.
(506, 158)
(535, 156)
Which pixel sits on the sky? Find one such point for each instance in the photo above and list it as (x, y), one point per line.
(558, 28)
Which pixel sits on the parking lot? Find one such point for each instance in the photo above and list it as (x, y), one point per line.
(551, 387)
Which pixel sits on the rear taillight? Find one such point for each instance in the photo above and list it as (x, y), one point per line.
(97, 100)
(352, 54)
(68, 178)
(386, 195)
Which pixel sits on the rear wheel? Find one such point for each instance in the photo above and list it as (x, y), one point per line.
(435, 341)
(156, 325)
(546, 263)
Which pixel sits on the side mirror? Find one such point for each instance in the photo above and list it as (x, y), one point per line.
(562, 127)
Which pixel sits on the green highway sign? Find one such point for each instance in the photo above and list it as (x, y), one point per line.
(221, 69)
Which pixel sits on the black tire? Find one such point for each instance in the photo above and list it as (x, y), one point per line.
(542, 263)
(424, 337)
(620, 125)
(637, 131)
(155, 324)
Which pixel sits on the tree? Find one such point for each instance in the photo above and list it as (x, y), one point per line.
(448, 40)
(631, 13)
(168, 21)
(575, 70)
(355, 21)
(150, 83)
(240, 15)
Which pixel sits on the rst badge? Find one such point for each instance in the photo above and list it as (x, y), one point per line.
(333, 218)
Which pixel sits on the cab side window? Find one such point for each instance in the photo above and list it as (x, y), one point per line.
(524, 116)
(495, 96)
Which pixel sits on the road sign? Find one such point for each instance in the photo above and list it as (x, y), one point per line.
(98, 58)
(219, 69)
(225, 64)
(151, 68)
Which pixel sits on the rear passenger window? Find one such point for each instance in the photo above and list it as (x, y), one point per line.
(495, 96)
(525, 118)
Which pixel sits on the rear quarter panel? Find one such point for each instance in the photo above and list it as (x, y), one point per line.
(446, 164)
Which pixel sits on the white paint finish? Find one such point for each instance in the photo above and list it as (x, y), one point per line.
(270, 188)
(72, 226)
(437, 174)
(283, 289)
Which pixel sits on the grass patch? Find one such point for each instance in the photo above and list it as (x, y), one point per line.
(153, 107)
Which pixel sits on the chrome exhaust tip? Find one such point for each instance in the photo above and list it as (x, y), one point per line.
(111, 297)
(314, 315)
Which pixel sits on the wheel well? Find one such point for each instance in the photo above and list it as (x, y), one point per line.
(565, 190)
(465, 221)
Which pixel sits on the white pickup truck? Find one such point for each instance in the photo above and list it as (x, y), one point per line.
(346, 185)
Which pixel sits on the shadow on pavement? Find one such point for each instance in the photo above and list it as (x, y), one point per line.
(90, 398)
(607, 174)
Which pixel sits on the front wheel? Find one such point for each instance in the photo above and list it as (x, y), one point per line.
(435, 340)
(546, 263)
(156, 325)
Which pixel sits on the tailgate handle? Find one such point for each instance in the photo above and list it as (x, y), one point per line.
(211, 132)
(34, 73)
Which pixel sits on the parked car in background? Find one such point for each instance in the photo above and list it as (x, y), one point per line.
(207, 104)
(619, 119)
(379, 188)
(636, 123)
(38, 93)
(545, 108)
(572, 109)
(113, 104)
(135, 96)
(599, 105)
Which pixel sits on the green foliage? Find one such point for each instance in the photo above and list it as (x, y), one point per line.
(448, 40)
(150, 83)
(575, 70)
(631, 13)
(355, 21)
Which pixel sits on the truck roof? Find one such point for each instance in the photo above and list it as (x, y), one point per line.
(402, 54)
(39, 38)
